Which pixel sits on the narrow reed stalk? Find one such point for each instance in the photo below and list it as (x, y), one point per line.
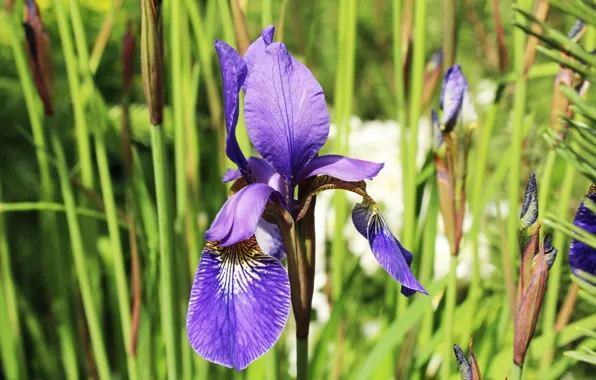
(119, 270)
(81, 264)
(169, 305)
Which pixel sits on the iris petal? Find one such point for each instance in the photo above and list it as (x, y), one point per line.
(239, 304)
(285, 111)
(238, 218)
(231, 175)
(264, 173)
(361, 215)
(256, 50)
(388, 251)
(233, 71)
(270, 240)
(392, 256)
(455, 100)
(582, 257)
(344, 168)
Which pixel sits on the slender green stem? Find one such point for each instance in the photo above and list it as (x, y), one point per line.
(266, 15)
(11, 345)
(519, 109)
(554, 274)
(417, 84)
(81, 130)
(169, 306)
(48, 222)
(449, 319)
(425, 273)
(449, 46)
(516, 372)
(81, 266)
(51, 206)
(302, 356)
(116, 250)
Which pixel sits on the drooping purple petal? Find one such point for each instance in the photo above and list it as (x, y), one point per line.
(239, 304)
(582, 257)
(270, 240)
(256, 50)
(233, 71)
(361, 215)
(391, 255)
(285, 111)
(237, 220)
(452, 96)
(344, 168)
(264, 173)
(231, 175)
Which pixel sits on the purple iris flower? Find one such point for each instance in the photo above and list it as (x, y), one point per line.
(240, 299)
(582, 257)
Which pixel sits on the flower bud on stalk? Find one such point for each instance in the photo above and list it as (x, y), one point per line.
(533, 277)
(152, 58)
(37, 44)
(455, 129)
(468, 370)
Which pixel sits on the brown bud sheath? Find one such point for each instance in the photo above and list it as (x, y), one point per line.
(152, 58)
(8, 4)
(474, 363)
(529, 308)
(37, 44)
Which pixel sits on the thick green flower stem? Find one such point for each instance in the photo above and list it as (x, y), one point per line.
(169, 306)
(301, 273)
(516, 372)
(449, 318)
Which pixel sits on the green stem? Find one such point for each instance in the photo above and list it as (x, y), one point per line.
(417, 83)
(116, 250)
(11, 346)
(516, 372)
(519, 108)
(449, 319)
(302, 356)
(449, 46)
(81, 130)
(47, 221)
(169, 306)
(81, 266)
(554, 274)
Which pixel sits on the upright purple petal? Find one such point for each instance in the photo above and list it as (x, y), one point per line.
(233, 71)
(237, 220)
(582, 257)
(344, 168)
(285, 111)
(452, 96)
(256, 50)
(264, 173)
(239, 304)
(270, 240)
(391, 255)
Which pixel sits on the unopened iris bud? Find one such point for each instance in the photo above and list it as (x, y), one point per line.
(468, 370)
(39, 53)
(533, 272)
(152, 58)
(531, 303)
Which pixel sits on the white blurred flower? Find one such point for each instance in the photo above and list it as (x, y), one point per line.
(485, 93)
